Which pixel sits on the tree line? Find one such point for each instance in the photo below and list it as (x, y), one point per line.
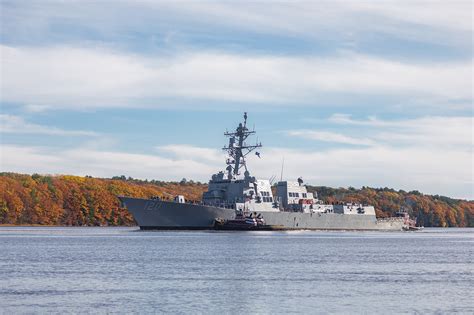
(87, 201)
(79, 201)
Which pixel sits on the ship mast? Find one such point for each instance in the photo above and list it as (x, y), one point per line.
(238, 149)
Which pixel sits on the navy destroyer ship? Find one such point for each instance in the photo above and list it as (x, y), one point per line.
(237, 200)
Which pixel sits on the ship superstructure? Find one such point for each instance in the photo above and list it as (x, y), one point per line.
(235, 193)
(236, 188)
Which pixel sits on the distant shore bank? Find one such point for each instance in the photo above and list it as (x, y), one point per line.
(68, 226)
(75, 201)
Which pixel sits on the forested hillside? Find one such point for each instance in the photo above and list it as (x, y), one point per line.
(78, 201)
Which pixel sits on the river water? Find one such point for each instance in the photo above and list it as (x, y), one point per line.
(124, 270)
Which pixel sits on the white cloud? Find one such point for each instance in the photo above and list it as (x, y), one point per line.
(79, 77)
(16, 124)
(100, 163)
(34, 108)
(348, 22)
(327, 136)
(347, 120)
(182, 152)
(25, 159)
(443, 132)
(435, 21)
(456, 15)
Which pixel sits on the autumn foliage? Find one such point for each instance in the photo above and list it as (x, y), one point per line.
(78, 201)
(86, 201)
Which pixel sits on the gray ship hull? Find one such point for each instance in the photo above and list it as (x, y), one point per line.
(157, 214)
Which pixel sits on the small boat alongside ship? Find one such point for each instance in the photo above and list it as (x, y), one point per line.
(235, 200)
(252, 221)
(409, 223)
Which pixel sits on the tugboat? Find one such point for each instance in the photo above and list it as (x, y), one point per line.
(409, 224)
(237, 200)
(243, 222)
(240, 222)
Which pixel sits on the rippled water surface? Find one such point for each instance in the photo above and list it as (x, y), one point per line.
(124, 270)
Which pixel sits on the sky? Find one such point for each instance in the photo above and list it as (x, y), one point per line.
(347, 93)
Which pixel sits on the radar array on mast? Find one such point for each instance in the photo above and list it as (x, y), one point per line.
(238, 149)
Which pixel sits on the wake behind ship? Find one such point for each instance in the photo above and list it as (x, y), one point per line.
(237, 200)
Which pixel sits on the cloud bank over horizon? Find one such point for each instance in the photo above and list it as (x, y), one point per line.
(391, 156)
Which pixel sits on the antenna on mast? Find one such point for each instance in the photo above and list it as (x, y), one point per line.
(282, 164)
(272, 180)
(238, 149)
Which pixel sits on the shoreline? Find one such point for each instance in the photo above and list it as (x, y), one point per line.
(71, 226)
(130, 226)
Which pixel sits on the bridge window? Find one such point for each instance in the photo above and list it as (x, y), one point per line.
(267, 199)
(305, 195)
